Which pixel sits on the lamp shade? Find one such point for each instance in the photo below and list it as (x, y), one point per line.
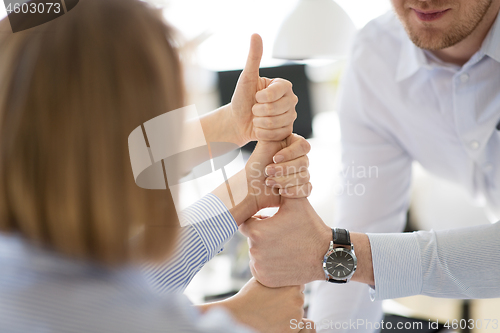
(315, 29)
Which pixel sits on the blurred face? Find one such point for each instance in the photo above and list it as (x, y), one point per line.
(439, 24)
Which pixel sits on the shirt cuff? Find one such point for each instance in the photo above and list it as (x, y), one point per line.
(212, 221)
(397, 265)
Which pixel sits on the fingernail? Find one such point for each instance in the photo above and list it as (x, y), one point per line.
(270, 171)
(278, 158)
(270, 182)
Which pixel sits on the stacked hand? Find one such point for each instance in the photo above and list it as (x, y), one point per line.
(264, 109)
(261, 108)
(288, 248)
(290, 178)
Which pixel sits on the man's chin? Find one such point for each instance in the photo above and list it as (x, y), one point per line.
(431, 39)
(430, 45)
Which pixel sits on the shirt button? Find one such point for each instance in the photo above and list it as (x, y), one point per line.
(464, 77)
(474, 145)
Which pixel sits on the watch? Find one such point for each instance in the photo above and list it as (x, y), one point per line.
(340, 262)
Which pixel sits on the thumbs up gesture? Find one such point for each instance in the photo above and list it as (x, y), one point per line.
(261, 109)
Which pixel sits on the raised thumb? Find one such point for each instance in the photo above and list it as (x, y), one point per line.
(254, 55)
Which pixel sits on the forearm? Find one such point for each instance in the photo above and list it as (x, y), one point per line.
(245, 193)
(236, 197)
(208, 227)
(434, 263)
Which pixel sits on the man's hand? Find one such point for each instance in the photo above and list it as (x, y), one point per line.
(289, 178)
(248, 187)
(289, 173)
(288, 248)
(266, 309)
(261, 108)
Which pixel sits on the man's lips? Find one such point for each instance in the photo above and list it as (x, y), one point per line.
(430, 15)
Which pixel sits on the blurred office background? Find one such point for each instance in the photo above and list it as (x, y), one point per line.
(216, 36)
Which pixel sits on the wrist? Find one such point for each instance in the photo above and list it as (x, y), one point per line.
(325, 238)
(218, 126)
(226, 304)
(244, 210)
(364, 272)
(230, 128)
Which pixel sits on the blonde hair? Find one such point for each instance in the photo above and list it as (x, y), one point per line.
(71, 91)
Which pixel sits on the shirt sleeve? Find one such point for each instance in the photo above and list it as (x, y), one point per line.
(457, 263)
(209, 227)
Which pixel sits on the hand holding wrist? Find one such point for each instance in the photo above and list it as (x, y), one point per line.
(288, 248)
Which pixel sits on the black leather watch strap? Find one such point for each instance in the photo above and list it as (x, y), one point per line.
(341, 237)
(337, 281)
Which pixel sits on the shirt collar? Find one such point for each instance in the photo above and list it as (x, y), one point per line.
(491, 44)
(412, 58)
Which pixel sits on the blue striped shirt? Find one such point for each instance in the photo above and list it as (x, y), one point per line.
(41, 291)
(210, 226)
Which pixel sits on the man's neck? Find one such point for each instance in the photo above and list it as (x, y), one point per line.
(460, 53)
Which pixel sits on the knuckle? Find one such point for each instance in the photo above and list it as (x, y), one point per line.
(269, 122)
(269, 95)
(303, 164)
(305, 145)
(286, 154)
(256, 109)
(269, 108)
(290, 192)
(305, 177)
(253, 252)
(259, 271)
(305, 161)
(279, 171)
(299, 301)
(256, 121)
(254, 272)
(255, 236)
(291, 169)
(310, 188)
(261, 134)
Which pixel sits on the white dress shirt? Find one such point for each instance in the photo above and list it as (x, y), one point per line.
(401, 104)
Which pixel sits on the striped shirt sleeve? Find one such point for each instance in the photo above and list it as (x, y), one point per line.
(209, 226)
(458, 263)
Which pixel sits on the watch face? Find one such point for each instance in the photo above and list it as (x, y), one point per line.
(341, 264)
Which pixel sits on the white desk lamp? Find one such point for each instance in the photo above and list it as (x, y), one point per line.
(315, 29)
